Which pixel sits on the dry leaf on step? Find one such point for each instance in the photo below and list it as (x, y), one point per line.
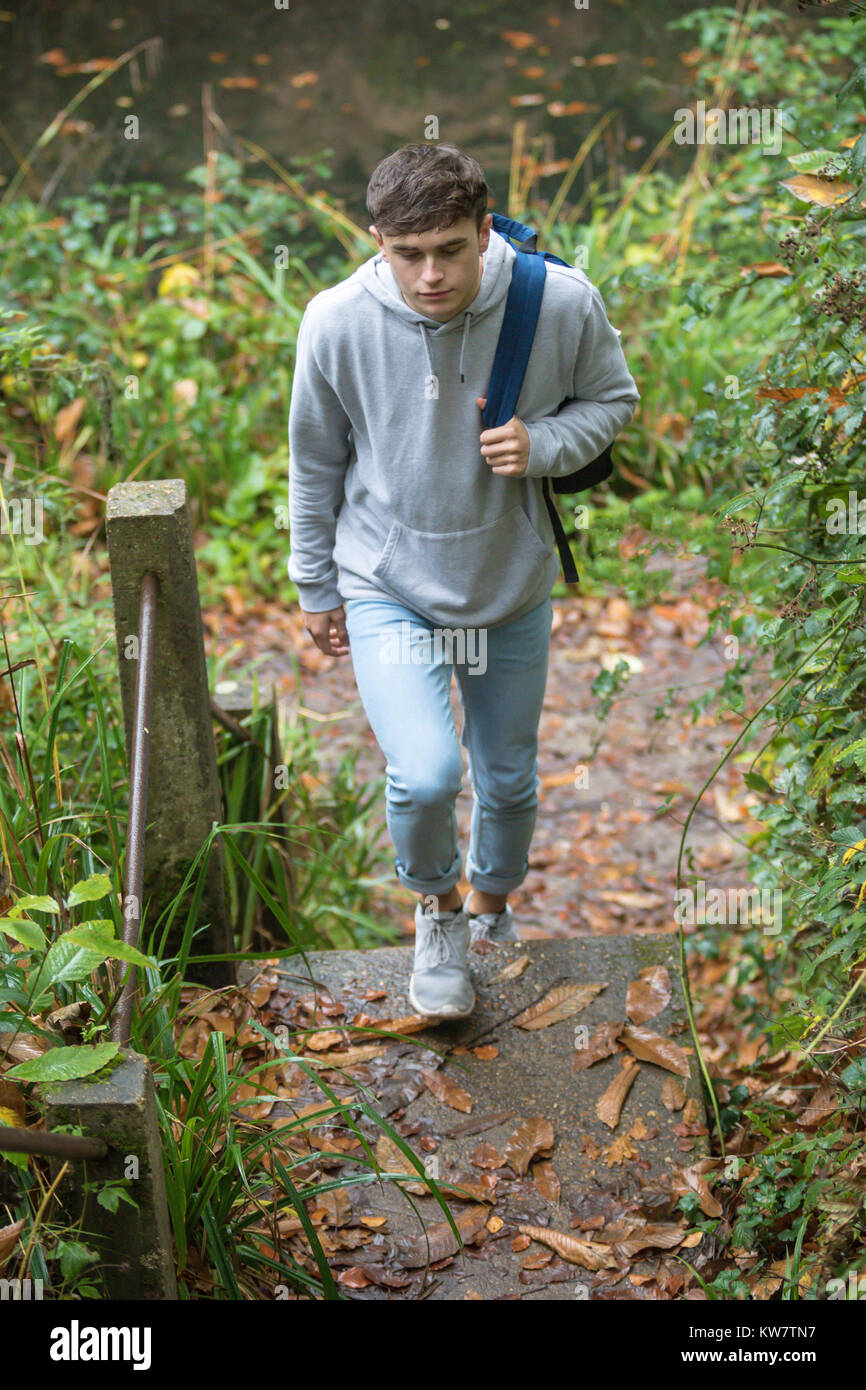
(620, 1151)
(664, 1236)
(563, 1001)
(441, 1239)
(546, 1181)
(609, 1105)
(602, 1043)
(652, 1047)
(511, 972)
(446, 1090)
(391, 1159)
(528, 1139)
(673, 1094)
(648, 994)
(572, 1248)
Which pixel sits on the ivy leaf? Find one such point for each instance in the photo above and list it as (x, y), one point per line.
(65, 1063)
(90, 890)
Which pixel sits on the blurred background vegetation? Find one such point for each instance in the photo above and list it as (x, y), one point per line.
(148, 330)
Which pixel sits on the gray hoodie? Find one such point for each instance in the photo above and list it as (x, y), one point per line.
(389, 493)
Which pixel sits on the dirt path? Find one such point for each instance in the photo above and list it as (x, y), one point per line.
(605, 849)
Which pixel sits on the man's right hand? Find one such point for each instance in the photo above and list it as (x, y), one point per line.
(328, 631)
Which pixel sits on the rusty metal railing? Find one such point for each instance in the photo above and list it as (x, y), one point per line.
(138, 772)
(46, 1143)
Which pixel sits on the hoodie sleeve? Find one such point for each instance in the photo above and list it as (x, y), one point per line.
(319, 451)
(603, 402)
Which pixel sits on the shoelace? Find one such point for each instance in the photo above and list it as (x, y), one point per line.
(484, 925)
(437, 947)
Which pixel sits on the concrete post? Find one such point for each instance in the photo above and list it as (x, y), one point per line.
(148, 528)
(134, 1243)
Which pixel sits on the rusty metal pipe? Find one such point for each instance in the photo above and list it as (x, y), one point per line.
(38, 1141)
(138, 772)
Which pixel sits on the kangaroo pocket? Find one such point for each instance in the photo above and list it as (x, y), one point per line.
(461, 578)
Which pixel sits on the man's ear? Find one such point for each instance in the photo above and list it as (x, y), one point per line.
(374, 232)
(484, 233)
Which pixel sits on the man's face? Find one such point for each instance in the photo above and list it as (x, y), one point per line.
(438, 272)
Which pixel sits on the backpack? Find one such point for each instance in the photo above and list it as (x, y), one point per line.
(516, 336)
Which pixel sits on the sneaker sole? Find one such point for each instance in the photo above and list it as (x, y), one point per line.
(448, 1012)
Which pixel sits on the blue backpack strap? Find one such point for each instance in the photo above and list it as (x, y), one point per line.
(516, 231)
(522, 308)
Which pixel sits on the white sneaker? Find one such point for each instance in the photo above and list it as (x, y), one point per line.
(495, 927)
(440, 986)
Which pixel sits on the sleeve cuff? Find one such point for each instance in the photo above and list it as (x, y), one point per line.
(319, 598)
(542, 449)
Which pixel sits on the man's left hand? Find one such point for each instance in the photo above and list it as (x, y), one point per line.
(505, 449)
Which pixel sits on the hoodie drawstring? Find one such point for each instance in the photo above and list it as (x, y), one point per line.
(467, 318)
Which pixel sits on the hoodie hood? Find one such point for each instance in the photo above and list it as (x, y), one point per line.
(377, 278)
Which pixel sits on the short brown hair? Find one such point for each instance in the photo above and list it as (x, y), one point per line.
(420, 187)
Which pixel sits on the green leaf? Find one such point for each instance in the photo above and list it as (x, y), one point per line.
(856, 750)
(67, 961)
(858, 157)
(65, 1063)
(74, 1257)
(757, 783)
(33, 903)
(92, 938)
(822, 769)
(90, 890)
(28, 933)
(810, 161)
(17, 1160)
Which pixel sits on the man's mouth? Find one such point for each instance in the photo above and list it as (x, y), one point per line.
(440, 294)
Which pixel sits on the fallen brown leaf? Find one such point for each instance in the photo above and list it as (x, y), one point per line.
(532, 1135)
(649, 994)
(602, 1043)
(620, 1151)
(441, 1238)
(571, 1248)
(609, 1105)
(673, 1094)
(652, 1047)
(561, 1002)
(444, 1088)
(485, 1156)
(546, 1181)
(512, 971)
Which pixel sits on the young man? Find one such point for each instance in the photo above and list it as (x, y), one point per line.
(434, 531)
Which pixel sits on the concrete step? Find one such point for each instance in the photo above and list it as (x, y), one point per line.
(530, 1076)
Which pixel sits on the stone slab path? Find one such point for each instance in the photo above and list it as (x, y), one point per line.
(597, 1182)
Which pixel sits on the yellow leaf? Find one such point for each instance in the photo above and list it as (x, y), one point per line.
(177, 279)
(810, 189)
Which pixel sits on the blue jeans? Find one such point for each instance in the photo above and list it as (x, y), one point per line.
(403, 667)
